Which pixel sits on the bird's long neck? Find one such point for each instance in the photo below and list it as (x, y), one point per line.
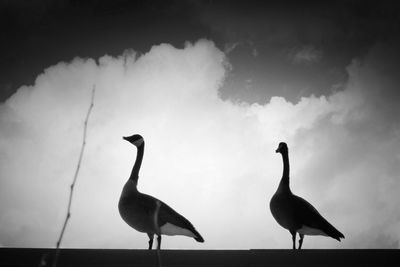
(138, 162)
(284, 184)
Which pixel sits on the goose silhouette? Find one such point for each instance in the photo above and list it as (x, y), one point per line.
(147, 214)
(296, 214)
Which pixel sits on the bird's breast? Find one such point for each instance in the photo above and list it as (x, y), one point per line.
(136, 214)
(282, 210)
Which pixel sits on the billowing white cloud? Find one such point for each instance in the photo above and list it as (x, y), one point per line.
(354, 155)
(212, 160)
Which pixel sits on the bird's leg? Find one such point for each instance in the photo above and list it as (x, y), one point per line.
(158, 241)
(151, 237)
(301, 240)
(293, 238)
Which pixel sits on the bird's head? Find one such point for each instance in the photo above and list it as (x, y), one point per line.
(136, 139)
(282, 148)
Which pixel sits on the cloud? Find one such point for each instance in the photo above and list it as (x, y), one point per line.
(305, 55)
(212, 160)
(229, 47)
(247, 45)
(254, 52)
(358, 150)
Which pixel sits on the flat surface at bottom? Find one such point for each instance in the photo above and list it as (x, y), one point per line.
(168, 258)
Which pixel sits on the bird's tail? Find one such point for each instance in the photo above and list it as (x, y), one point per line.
(198, 237)
(329, 229)
(334, 233)
(337, 236)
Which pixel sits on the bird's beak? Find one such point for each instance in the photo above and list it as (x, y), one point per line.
(125, 138)
(277, 151)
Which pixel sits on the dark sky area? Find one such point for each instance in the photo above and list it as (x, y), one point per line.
(286, 48)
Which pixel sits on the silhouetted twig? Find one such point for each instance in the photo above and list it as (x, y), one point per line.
(71, 193)
(157, 226)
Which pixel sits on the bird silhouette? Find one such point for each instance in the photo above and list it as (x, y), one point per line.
(147, 214)
(296, 214)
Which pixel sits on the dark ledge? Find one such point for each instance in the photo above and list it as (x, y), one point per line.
(268, 257)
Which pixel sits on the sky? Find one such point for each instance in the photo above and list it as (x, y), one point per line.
(213, 87)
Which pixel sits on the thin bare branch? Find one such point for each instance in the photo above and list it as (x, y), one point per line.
(71, 193)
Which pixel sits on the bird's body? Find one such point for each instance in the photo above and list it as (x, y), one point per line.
(296, 214)
(147, 214)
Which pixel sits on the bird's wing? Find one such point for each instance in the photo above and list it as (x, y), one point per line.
(169, 215)
(309, 216)
(166, 214)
